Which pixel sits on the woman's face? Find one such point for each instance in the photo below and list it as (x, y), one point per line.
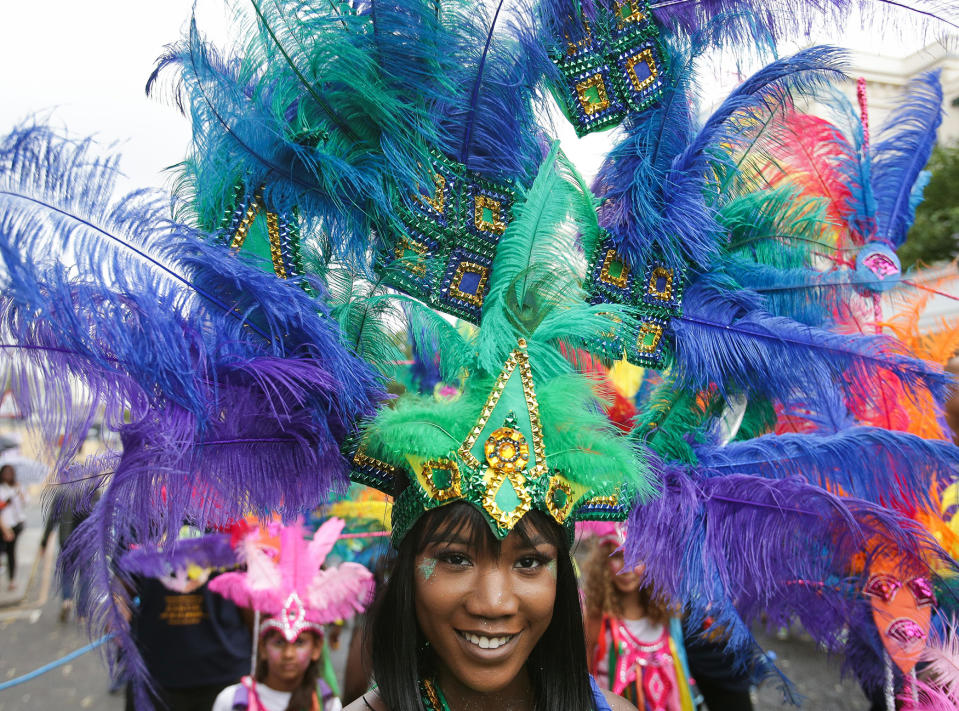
(483, 612)
(7, 475)
(625, 581)
(286, 662)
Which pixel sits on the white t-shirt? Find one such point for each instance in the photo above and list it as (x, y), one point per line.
(270, 699)
(16, 510)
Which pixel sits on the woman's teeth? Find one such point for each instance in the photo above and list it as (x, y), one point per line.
(487, 642)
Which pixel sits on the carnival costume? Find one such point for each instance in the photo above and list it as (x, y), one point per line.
(289, 590)
(357, 166)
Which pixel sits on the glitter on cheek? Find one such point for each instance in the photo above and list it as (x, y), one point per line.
(427, 568)
(551, 568)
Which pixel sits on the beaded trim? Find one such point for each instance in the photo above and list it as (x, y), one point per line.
(611, 70)
(654, 289)
(440, 249)
(432, 696)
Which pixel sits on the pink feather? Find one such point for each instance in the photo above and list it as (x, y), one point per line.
(942, 656)
(272, 576)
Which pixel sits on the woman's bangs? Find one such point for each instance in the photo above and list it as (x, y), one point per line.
(464, 522)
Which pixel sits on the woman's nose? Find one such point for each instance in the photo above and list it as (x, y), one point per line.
(493, 596)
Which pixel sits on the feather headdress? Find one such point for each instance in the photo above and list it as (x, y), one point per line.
(290, 586)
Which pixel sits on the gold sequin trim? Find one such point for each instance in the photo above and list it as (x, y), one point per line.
(573, 47)
(477, 298)
(362, 459)
(647, 329)
(431, 695)
(453, 490)
(506, 519)
(602, 501)
(645, 56)
(590, 105)
(517, 358)
(243, 229)
(416, 266)
(276, 248)
(438, 201)
(559, 512)
(667, 291)
(613, 256)
(634, 12)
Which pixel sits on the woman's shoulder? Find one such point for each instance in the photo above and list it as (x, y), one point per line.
(370, 701)
(617, 703)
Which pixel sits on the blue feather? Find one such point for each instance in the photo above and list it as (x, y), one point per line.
(724, 336)
(869, 463)
(900, 153)
(486, 118)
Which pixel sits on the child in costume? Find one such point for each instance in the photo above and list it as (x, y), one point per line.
(286, 584)
(634, 643)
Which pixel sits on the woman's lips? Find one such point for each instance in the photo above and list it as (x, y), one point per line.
(487, 646)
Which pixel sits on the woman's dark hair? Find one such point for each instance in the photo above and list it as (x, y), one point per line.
(557, 665)
(302, 697)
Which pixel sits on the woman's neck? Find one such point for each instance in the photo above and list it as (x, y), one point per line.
(515, 696)
(631, 608)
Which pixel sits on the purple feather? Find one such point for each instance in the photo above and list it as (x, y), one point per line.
(737, 546)
(229, 398)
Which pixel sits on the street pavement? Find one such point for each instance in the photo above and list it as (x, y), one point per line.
(32, 636)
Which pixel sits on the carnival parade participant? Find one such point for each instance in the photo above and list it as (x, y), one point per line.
(292, 597)
(360, 165)
(13, 517)
(634, 640)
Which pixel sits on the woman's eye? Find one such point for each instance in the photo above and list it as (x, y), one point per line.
(529, 562)
(456, 559)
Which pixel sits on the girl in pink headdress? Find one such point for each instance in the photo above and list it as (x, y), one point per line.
(634, 641)
(294, 597)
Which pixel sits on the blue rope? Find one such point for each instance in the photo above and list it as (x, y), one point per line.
(54, 664)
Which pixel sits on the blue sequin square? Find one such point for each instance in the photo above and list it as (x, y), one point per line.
(640, 74)
(465, 283)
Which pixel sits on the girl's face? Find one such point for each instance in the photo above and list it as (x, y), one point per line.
(483, 611)
(7, 475)
(286, 662)
(625, 581)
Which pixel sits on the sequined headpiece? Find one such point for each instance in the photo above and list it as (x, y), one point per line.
(501, 466)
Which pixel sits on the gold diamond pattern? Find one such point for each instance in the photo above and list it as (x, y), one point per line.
(506, 519)
(645, 56)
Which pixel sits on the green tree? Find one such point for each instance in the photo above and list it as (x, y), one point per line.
(935, 233)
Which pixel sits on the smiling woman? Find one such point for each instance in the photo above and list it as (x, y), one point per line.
(489, 623)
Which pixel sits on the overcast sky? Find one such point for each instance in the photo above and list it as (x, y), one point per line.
(84, 65)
